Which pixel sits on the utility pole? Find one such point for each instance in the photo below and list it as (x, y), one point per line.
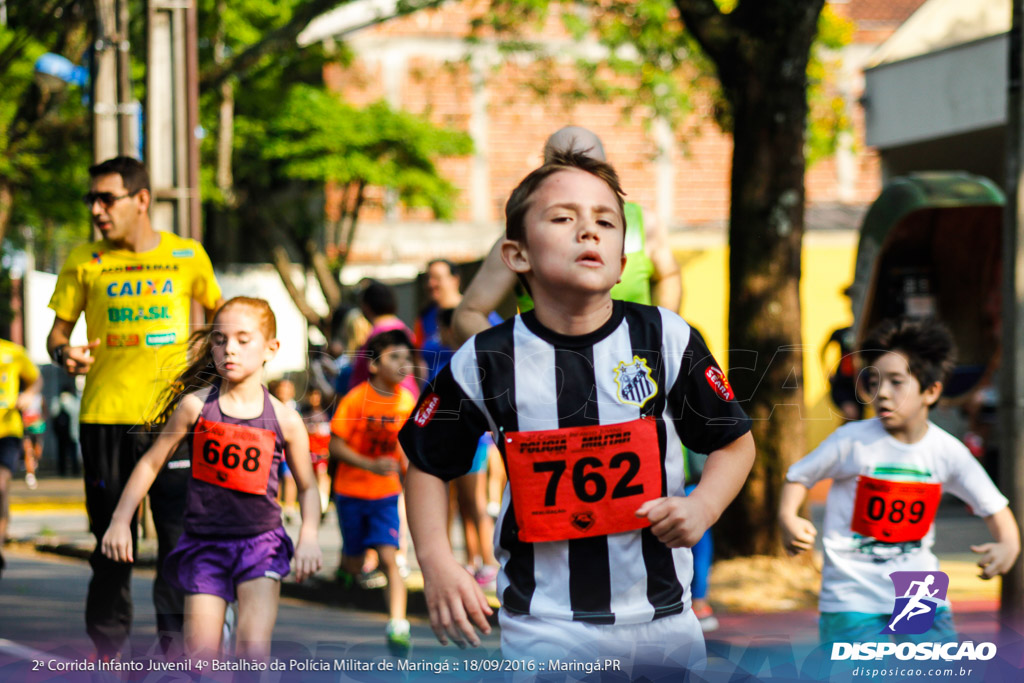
(104, 82)
(172, 115)
(1011, 389)
(114, 113)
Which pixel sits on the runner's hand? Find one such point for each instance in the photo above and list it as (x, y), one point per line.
(78, 359)
(24, 402)
(308, 559)
(383, 465)
(678, 522)
(996, 559)
(456, 604)
(798, 533)
(117, 543)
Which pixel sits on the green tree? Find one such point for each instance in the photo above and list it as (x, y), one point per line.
(762, 63)
(277, 137)
(44, 129)
(317, 138)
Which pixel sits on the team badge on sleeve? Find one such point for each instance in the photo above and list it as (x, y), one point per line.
(636, 386)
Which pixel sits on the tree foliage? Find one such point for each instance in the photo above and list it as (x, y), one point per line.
(764, 66)
(650, 64)
(44, 130)
(276, 137)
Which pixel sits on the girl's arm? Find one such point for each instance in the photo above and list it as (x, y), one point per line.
(308, 559)
(117, 541)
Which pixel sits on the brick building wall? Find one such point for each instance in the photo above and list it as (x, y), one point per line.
(423, 64)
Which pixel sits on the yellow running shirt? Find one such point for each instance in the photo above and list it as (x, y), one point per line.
(137, 305)
(15, 368)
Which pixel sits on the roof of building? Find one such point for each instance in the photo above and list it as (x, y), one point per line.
(940, 24)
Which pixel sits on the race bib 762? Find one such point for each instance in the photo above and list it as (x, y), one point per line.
(578, 482)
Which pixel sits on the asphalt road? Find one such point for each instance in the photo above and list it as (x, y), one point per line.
(41, 620)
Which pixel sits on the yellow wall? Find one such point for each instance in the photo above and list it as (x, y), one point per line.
(828, 263)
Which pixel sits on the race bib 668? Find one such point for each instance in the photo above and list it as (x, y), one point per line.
(235, 457)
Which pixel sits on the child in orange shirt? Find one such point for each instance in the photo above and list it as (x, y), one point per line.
(367, 483)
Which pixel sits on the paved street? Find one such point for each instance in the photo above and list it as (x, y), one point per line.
(42, 596)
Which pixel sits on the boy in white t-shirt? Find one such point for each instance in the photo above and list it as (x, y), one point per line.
(888, 475)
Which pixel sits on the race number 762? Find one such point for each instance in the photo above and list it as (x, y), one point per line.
(588, 480)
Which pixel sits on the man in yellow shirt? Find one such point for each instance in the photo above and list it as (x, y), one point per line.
(136, 287)
(20, 382)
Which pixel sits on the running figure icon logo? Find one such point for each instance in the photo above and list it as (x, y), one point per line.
(918, 595)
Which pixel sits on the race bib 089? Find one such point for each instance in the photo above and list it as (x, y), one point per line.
(894, 511)
(235, 457)
(578, 482)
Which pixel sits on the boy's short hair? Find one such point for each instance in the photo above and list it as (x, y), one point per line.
(453, 268)
(378, 298)
(927, 344)
(377, 344)
(132, 171)
(444, 317)
(519, 202)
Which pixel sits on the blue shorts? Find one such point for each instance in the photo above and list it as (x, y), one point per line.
(366, 523)
(10, 452)
(861, 627)
(480, 457)
(215, 566)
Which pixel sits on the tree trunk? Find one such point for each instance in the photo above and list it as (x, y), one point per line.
(6, 205)
(761, 50)
(766, 359)
(283, 264)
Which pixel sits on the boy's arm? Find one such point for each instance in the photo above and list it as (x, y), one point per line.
(798, 533)
(491, 284)
(679, 522)
(24, 400)
(999, 556)
(454, 599)
(340, 450)
(117, 541)
(308, 558)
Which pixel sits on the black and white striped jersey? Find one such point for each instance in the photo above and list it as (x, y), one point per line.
(645, 362)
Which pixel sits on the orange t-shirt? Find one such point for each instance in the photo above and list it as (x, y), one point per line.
(369, 424)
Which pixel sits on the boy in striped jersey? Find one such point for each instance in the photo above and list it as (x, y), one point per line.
(588, 400)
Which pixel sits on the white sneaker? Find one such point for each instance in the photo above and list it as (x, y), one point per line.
(30, 481)
(398, 636)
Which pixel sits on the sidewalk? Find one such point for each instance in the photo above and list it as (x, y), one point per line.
(52, 519)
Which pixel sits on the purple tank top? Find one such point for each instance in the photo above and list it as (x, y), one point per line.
(212, 510)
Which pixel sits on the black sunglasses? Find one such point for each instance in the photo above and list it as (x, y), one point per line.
(107, 199)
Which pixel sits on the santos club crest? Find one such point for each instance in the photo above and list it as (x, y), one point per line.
(636, 386)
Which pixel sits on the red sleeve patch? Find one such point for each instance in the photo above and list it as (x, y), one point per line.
(716, 378)
(426, 411)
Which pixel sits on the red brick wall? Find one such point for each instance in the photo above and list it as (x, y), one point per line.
(518, 121)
